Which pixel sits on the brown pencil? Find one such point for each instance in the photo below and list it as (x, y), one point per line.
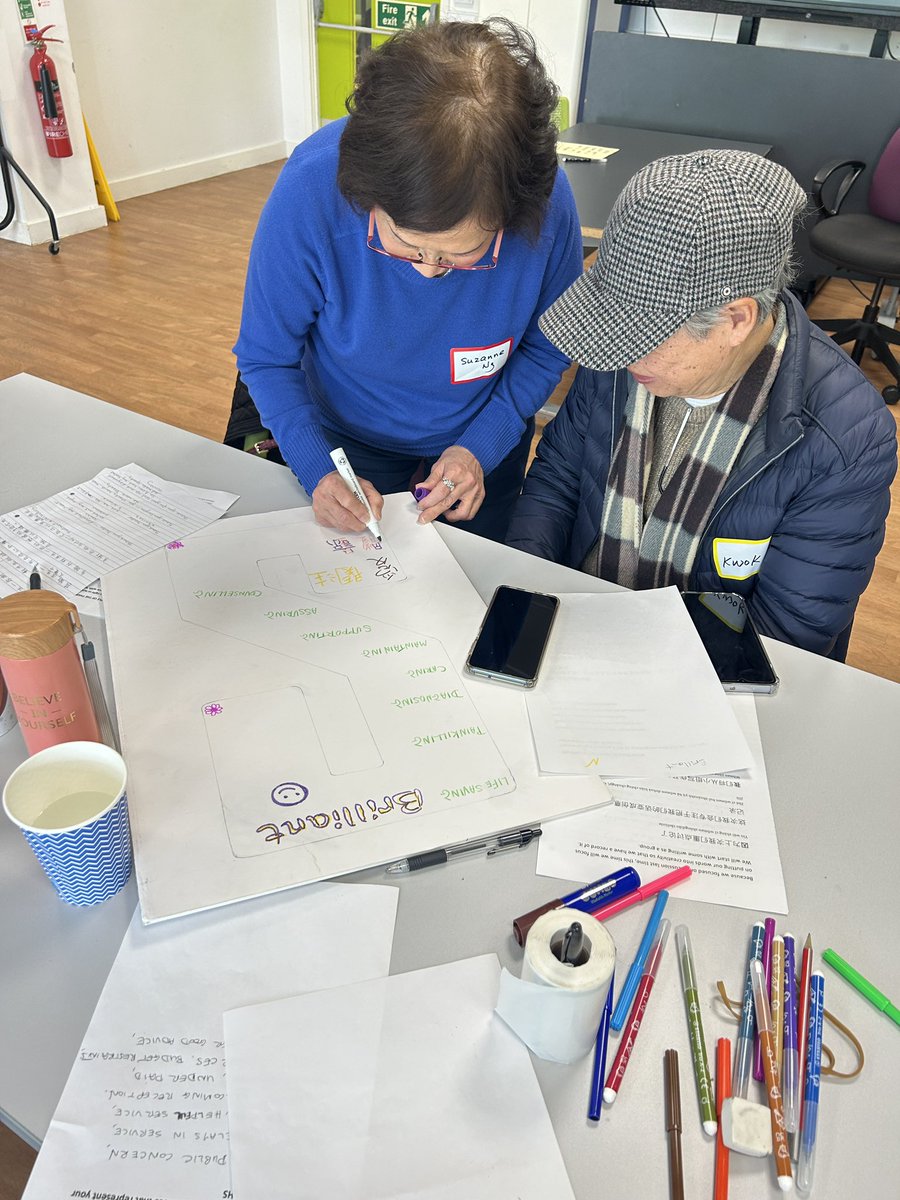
(673, 1125)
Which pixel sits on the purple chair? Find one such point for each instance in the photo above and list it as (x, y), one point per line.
(865, 245)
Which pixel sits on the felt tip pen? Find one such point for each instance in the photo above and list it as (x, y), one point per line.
(517, 839)
(584, 899)
(421, 492)
(780, 1147)
(673, 1124)
(642, 893)
(34, 579)
(723, 1092)
(790, 1068)
(692, 1006)
(595, 1103)
(807, 1157)
(626, 1043)
(743, 1057)
(346, 472)
(802, 1029)
(776, 998)
(633, 978)
(862, 985)
(769, 923)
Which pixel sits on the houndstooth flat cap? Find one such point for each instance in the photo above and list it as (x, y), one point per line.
(687, 232)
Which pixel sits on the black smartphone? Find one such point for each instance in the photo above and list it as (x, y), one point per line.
(732, 643)
(513, 636)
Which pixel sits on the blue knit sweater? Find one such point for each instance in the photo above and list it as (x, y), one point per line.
(335, 336)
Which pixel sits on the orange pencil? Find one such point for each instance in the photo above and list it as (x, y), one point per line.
(780, 1146)
(723, 1091)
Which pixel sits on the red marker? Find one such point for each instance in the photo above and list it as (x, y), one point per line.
(614, 1079)
(642, 893)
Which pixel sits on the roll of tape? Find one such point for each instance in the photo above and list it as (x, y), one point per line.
(555, 1007)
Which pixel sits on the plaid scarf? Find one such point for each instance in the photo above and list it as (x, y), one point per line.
(661, 550)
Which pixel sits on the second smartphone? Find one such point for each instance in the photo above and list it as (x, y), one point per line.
(513, 636)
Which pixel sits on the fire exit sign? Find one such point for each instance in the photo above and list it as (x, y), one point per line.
(391, 16)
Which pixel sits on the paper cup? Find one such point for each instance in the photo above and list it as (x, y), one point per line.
(69, 801)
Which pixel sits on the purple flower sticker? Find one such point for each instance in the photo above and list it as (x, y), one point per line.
(175, 546)
(213, 710)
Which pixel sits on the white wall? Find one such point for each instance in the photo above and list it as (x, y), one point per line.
(175, 92)
(558, 26)
(66, 183)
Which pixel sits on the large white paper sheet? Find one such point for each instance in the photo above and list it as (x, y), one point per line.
(292, 707)
(722, 825)
(81, 533)
(628, 689)
(404, 1087)
(144, 1113)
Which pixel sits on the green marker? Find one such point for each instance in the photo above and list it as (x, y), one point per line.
(695, 1029)
(862, 985)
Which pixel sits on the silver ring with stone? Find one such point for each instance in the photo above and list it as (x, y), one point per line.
(448, 484)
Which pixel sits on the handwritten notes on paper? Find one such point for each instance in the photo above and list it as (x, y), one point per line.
(308, 730)
(144, 1112)
(411, 1087)
(721, 824)
(628, 689)
(83, 532)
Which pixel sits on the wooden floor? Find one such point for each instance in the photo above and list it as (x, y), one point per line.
(143, 314)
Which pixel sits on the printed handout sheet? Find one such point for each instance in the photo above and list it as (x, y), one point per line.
(85, 531)
(292, 707)
(144, 1112)
(722, 825)
(628, 689)
(411, 1086)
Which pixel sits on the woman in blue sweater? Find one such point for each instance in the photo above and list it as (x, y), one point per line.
(398, 273)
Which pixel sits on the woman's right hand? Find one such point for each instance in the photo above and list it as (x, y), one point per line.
(335, 505)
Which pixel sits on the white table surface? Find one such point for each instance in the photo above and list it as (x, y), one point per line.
(832, 745)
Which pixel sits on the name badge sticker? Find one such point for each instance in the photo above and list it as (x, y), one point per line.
(468, 363)
(737, 559)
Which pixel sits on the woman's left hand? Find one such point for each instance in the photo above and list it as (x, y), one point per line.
(456, 483)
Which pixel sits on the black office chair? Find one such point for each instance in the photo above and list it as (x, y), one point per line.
(866, 244)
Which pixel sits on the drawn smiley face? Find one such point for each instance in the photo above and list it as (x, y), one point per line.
(289, 794)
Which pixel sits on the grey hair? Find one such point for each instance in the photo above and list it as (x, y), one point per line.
(701, 324)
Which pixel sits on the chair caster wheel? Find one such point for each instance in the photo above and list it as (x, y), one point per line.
(891, 394)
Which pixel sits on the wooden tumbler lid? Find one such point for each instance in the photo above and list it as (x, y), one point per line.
(35, 623)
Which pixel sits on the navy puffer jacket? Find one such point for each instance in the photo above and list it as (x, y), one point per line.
(801, 518)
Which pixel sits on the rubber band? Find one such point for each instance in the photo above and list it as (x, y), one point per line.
(828, 1055)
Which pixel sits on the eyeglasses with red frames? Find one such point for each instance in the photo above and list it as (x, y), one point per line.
(440, 261)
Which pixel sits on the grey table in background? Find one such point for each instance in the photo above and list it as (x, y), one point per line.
(833, 761)
(597, 184)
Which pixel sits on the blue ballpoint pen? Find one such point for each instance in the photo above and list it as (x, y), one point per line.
(595, 1106)
(743, 1058)
(633, 978)
(807, 1158)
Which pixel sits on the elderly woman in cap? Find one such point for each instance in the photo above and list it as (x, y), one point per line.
(397, 277)
(713, 438)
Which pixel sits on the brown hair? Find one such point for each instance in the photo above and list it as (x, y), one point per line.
(452, 121)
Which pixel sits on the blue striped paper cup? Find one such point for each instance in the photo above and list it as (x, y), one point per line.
(69, 801)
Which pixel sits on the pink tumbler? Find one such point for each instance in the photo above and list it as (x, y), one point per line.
(43, 671)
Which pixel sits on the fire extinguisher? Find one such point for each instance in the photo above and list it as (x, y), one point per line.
(49, 98)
